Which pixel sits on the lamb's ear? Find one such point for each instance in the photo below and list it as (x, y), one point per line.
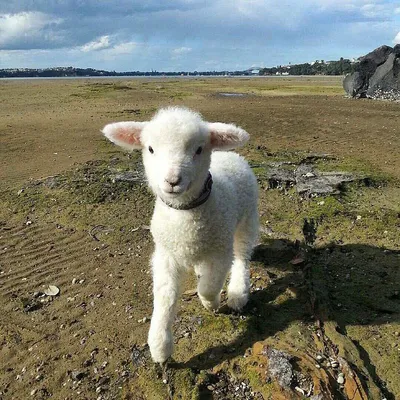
(226, 136)
(125, 134)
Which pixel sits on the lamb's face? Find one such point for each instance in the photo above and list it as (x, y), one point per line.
(176, 155)
(176, 145)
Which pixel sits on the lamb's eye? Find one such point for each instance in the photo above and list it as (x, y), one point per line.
(199, 150)
(151, 150)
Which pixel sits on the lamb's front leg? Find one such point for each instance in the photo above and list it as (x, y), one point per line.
(167, 277)
(211, 276)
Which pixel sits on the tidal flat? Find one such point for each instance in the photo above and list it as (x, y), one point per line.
(325, 277)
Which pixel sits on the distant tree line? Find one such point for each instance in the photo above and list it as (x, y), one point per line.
(341, 67)
(82, 72)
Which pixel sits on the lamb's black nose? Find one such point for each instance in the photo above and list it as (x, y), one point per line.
(176, 180)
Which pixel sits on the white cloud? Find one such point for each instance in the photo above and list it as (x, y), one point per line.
(24, 25)
(124, 48)
(396, 40)
(105, 45)
(373, 10)
(181, 50)
(100, 43)
(397, 10)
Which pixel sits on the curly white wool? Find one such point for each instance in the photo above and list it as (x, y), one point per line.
(213, 238)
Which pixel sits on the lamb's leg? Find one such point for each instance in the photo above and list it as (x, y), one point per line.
(167, 278)
(239, 283)
(211, 278)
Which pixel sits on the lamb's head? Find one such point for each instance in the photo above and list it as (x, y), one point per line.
(176, 145)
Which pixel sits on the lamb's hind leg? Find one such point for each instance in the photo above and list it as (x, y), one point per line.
(239, 284)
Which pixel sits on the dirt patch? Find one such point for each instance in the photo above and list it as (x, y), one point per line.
(81, 223)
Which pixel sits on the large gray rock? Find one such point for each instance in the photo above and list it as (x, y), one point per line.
(354, 84)
(372, 60)
(385, 78)
(377, 75)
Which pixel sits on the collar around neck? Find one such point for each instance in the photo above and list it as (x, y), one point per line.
(203, 197)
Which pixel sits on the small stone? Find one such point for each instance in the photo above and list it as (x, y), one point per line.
(33, 392)
(74, 281)
(358, 217)
(397, 334)
(104, 380)
(51, 290)
(165, 381)
(77, 375)
(88, 362)
(319, 357)
(340, 379)
(29, 222)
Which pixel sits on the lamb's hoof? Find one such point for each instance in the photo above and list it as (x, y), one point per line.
(237, 301)
(210, 305)
(161, 346)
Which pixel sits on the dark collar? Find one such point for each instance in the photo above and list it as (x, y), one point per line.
(203, 197)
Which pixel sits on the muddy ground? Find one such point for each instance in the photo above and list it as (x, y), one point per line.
(323, 320)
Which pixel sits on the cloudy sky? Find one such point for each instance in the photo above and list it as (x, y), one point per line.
(176, 35)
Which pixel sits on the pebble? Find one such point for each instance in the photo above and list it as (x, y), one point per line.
(33, 392)
(77, 375)
(334, 364)
(74, 281)
(340, 379)
(397, 334)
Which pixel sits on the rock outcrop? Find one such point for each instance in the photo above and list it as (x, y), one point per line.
(377, 75)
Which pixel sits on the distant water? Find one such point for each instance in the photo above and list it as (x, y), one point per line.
(232, 94)
(133, 77)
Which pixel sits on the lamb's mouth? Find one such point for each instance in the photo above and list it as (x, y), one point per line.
(176, 191)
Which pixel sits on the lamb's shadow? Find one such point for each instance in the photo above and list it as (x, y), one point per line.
(345, 275)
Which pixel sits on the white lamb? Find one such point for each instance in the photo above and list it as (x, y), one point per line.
(205, 215)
